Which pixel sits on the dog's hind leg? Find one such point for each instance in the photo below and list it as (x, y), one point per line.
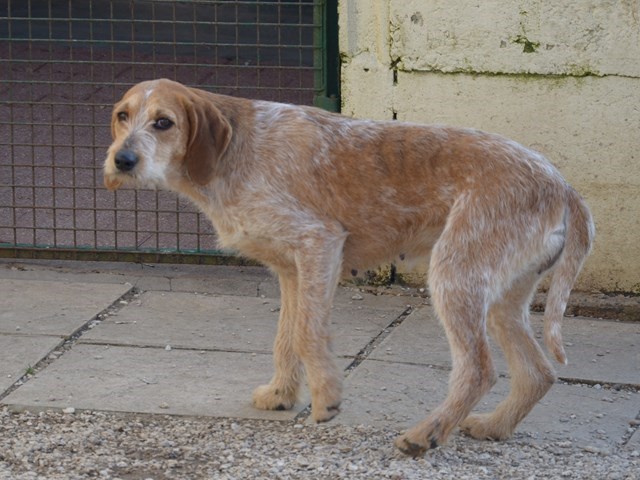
(282, 392)
(460, 296)
(531, 373)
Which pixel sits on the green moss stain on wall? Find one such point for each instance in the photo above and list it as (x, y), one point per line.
(528, 46)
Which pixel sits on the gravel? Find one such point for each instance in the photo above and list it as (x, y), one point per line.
(85, 444)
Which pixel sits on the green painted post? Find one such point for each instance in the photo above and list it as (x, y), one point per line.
(326, 56)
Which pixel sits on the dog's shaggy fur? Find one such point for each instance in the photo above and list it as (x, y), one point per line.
(315, 195)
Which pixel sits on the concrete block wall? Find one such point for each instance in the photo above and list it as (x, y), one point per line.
(561, 77)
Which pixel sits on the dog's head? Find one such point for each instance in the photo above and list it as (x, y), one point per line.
(164, 133)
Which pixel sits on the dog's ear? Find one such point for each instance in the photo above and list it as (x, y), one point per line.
(209, 137)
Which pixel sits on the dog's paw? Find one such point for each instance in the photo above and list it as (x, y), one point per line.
(484, 427)
(425, 436)
(324, 414)
(325, 402)
(268, 397)
(415, 447)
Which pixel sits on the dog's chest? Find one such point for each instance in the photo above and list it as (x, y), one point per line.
(253, 236)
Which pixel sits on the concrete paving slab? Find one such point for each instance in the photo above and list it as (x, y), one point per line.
(151, 380)
(391, 394)
(19, 352)
(399, 395)
(598, 350)
(269, 288)
(59, 272)
(418, 339)
(584, 415)
(187, 320)
(52, 308)
(232, 323)
(224, 281)
(359, 317)
(354, 296)
(216, 279)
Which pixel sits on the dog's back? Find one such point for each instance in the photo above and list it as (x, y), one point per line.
(392, 185)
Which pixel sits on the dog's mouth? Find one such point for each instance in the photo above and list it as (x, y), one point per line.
(112, 181)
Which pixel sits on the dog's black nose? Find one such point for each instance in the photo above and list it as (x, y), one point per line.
(126, 160)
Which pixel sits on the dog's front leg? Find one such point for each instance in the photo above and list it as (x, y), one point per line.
(319, 265)
(307, 288)
(282, 392)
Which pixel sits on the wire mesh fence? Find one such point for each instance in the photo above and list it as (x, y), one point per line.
(63, 65)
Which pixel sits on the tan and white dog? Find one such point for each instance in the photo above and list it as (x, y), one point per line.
(315, 195)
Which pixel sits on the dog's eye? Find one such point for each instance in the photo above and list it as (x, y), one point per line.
(122, 116)
(163, 124)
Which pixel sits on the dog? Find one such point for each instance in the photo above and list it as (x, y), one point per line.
(318, 196)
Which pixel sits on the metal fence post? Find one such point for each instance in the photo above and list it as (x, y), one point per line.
(326, 56)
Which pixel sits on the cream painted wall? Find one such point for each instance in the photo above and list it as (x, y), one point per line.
(561, 77)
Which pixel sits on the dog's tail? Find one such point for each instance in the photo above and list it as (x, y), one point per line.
(580, 232)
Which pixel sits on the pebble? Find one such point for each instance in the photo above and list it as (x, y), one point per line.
(52, 445)
(357, 296)
(592, 449)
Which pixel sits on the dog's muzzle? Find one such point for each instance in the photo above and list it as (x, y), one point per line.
(126, 160)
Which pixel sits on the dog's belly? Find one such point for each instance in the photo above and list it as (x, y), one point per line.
(364, 251)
